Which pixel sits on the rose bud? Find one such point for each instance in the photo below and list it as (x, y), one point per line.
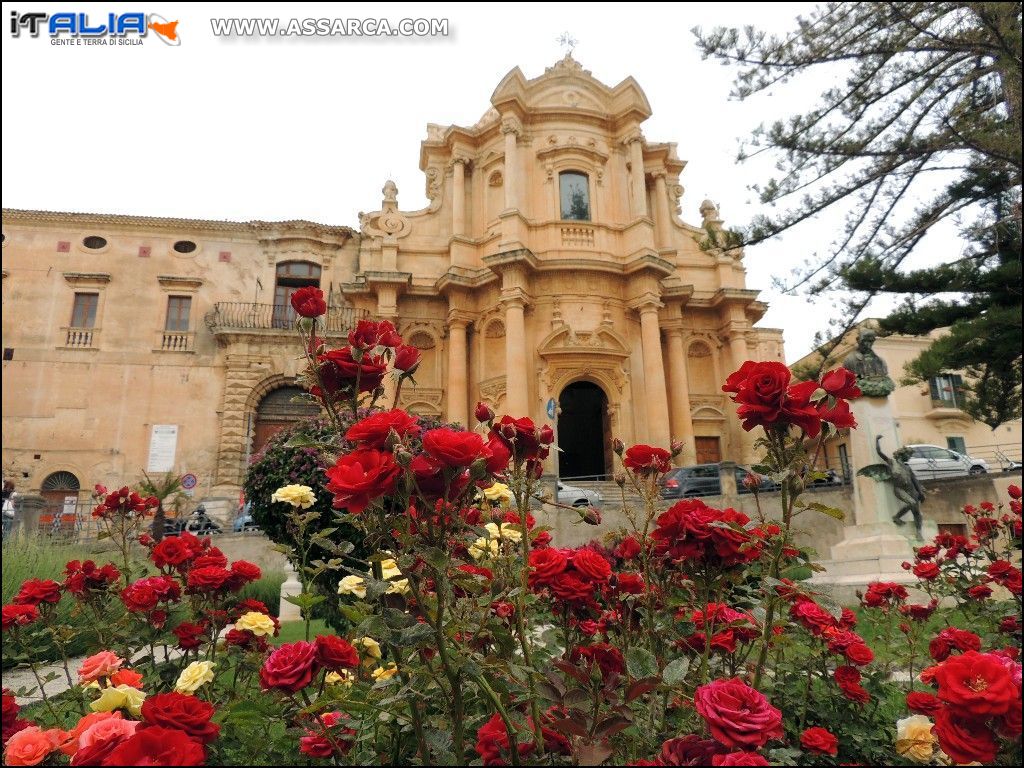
(484, 413)
(620, 479)
(590, 515)
(546, 435)
(676, 447)
(752, 481)
(618, 446)
(508, 431)
(407, 359)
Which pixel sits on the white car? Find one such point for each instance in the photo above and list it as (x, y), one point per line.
(931, 462)
(578, 497)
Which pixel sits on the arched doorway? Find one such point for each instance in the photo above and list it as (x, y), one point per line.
(279, 409)
(583, 426)
(60, 493)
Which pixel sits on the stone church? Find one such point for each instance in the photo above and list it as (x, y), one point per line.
(553, 263)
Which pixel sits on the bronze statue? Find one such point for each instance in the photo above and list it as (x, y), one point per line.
(872, 372)
(905, 485)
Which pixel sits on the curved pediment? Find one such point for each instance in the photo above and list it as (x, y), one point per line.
(567, 341)
(567, 87)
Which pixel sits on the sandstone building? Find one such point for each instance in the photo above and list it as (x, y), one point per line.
(552, 262)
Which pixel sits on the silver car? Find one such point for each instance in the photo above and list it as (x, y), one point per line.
(931, 462)
(578, 497)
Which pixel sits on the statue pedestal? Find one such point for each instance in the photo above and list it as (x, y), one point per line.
(873, 547)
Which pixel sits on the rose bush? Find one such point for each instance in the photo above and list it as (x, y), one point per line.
(689, 637)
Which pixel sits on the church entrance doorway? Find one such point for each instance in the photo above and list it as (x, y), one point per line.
(583, 432)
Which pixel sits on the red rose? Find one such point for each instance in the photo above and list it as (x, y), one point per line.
(979, 592)
(190, 636)
(186, 713)
(976, 685)
(819, 741)
(949, 638)
(738, 716)
(290, 668)
(760, 388)
(172, 551)
(308, 301)
(739, 758)
(568, 585)
(522, 437)
(454, 448)
(500, 455)
(210, 578)
(361, 476)
(243, 572)
(848, 680)
(19, 615)
(926, 571)
(139, 598)
(372, 333)
(492, 743)
(407, 359)
(338, 371)
(923, 703)
(431, 480)
(546, 564)
(841, 383)
(859, 654)
(36, 591)
(157, 746)
(316, 744)
(689, 750)
(1013, 491)
(884, 593)
(592, 565)
(483, 412)
(963, 739)
(607, 657)
(647, 460)
(629, 584)
(374, 430)
(628, 548)
(334, 654)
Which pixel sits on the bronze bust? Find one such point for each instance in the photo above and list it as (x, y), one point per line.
(871, 370)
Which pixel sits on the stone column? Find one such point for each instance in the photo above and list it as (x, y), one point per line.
(458, 402)
(654, 376)
(512, 129)
(661, 210)
(637, 183)
(458, 195)
(517, 373)
(739, 353)
(682, 419)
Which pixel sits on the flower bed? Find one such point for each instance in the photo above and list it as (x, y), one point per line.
(686, 639)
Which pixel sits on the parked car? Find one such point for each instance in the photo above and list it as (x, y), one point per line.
(704, 480)
(198, 523)
(578, 497)
(931, 462)
(243, 520)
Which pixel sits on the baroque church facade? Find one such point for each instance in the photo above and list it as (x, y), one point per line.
(552, 268)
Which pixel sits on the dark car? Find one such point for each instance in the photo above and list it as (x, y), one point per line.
(704, 480)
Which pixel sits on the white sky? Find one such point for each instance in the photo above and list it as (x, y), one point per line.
(283, 128)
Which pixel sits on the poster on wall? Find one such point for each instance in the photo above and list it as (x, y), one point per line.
(163, 443)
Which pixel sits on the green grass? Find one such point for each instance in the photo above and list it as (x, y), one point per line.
(291, 631)
(267, 590)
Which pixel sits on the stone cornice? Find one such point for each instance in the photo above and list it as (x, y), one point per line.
(87, 279)
(180, 283)
(171, 225)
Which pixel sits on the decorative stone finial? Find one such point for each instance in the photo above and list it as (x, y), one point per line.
(390, 191)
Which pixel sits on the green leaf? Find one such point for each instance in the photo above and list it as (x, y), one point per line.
(414, 635)
(306, 599)
(675, 671)
(825, 509)
(641, 663)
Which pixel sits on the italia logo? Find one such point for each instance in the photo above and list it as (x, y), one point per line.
(82, 25)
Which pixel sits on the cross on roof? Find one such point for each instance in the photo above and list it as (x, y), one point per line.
(567, 41)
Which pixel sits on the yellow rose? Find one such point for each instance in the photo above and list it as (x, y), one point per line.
(299, 496)
(511, 532)
(483, 548)
(352, 585)
(915, 739)
(196, 674)
(122, 696)
(368, 647)
(381, 674)
(258, 623)
(339, 678)
(498, 492)
(390, 572)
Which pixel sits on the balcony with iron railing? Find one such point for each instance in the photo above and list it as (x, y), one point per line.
(242, 316)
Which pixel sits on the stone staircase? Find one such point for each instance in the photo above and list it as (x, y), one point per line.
(612, 494)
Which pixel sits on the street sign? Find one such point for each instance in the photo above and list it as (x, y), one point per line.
(189, 481)
(552, 408)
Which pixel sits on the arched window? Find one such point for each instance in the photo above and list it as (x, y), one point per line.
(60, 491)
(292, 275)
(574, 192)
